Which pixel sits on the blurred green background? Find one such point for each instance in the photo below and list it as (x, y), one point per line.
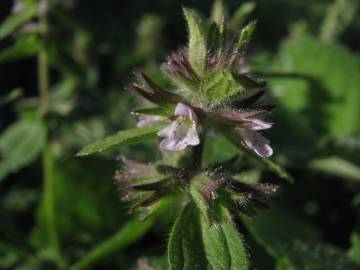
(308, 51)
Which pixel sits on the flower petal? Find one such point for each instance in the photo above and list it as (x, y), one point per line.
(185, 110)
(257, 124)
(148, 120)
(256, 142)
(170, 130)
(192, 137)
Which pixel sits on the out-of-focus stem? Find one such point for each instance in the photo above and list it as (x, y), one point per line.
(43, 66)
(48, 202)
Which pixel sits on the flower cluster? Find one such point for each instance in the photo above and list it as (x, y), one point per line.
(213, 93)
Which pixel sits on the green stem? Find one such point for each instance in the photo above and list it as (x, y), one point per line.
(43, 65)
(48, 202)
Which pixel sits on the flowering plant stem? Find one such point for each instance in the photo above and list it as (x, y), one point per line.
(47, 154)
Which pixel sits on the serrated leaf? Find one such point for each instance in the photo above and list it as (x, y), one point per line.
(219, 85)
(20, 144)
(224, 247)
(336, 166)
(197, 49)
(244, 36)
(242, 13)
(16, 20)
(185, 250)
(25, 46)
(125, 137)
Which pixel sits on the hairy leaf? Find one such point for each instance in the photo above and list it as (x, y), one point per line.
(244, 36)
(224, 247)
(130, 136)
(197, 49)
(185, 250)
(219, 85)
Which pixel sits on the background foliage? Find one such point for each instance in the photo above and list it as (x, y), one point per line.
(308, 52)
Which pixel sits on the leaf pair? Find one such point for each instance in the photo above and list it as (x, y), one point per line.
(193, 244)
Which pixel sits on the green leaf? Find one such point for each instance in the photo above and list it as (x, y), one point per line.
(20, 144)
(336, 166)
(224, 247)
(339, 16)
(323, 101)
(268, 231)
(216, 38)
(130, 136)
(10, 97)
(354, 251)
(218, 12)
(219, 85)
(197, 41)
(16, 20)
(241, 14)
(197, 197)
(297, 245)
(185, 250)
(127, 235)
(244, 36)
(25, 46)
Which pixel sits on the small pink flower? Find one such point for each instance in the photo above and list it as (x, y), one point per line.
(182, 131)
(255, 141)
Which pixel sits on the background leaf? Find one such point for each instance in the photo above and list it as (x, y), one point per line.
(14, 21)
(20, 144)
(130, 233)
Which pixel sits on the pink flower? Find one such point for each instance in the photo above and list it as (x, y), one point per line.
(182, 131)
(255, 141)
